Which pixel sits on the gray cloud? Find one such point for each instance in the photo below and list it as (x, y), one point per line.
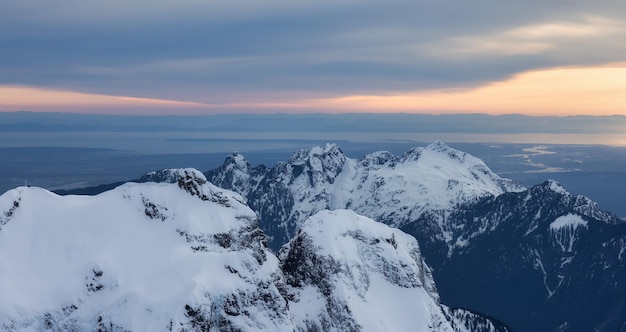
(204, 51)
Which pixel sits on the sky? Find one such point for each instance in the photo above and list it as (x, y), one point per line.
(239, 56)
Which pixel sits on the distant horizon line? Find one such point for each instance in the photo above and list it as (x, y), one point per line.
(460, 113)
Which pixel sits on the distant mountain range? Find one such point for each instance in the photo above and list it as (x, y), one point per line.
(539, 258)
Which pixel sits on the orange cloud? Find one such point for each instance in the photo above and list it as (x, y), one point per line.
(162, 102)
(20, 98)
(560, 91)
(597, 90)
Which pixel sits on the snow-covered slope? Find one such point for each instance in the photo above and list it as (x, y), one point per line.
(349, 273)
(189, 256)
(142, 257)
(423, 183)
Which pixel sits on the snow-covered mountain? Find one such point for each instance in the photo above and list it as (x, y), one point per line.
(423, 184)
(346, 272)
(540, 258)
(494, 246)
(142, 257)
(549, 255)
(189, 256)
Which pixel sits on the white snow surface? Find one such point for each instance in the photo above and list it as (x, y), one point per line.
(378, 277)
(381, 187)
(568, 221)
(131, 258)
(188, 256)
(565, 231)
(557, 187)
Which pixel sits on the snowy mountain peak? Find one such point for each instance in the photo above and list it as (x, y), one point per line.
(319, 164)
(556, 187)
(189, 175)
(328, 148)
(141, 257)
(318, 156)
(552, 187)
(377, 159)
(349, 273)
(357, 242)
(237, 174)
(440, 150)
(237, 161)
(195, 183)
(439, 146)
(583, 205)
(171, 175)
(457, 166)
(394, 190)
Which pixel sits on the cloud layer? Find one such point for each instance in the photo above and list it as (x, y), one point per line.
(284, 53)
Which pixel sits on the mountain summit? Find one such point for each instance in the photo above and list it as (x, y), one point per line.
(346, 272)
(396, 190)
(141, 257)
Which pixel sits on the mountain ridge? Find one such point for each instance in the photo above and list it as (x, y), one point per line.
(323, 177)
(189, 256)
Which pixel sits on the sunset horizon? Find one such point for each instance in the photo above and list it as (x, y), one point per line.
(544, 92)
(408, 57)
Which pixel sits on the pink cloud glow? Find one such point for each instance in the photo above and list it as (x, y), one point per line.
(15, 98)
(558, 91)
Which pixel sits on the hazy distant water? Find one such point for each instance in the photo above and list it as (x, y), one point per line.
(214, 142)
(589, 164)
